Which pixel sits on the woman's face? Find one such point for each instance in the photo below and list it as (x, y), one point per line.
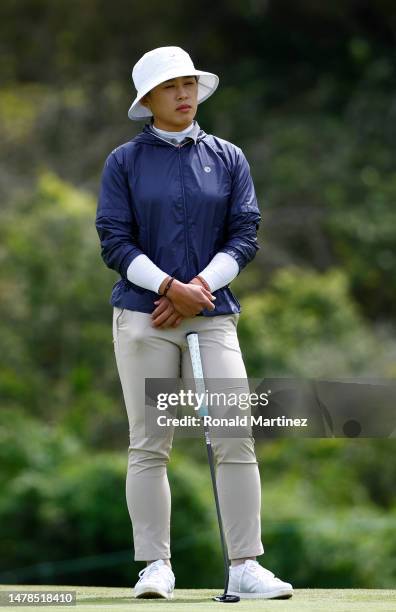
(164, 100)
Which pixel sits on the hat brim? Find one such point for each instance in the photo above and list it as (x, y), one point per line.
(207, 85)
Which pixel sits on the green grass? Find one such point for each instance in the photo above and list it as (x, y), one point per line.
(189, 600)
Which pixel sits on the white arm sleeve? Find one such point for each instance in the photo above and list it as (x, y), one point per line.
(220, 271)
(144, 273)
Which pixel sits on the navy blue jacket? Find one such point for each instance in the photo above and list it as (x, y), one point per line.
(179, 205)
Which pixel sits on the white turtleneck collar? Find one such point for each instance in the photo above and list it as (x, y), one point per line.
(179, 136)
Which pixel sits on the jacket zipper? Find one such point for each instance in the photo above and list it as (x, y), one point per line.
(178, 146)
(184, 207)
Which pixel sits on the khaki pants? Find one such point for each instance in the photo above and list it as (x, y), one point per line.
(141, 352)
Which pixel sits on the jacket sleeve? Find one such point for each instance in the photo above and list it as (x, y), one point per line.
(243, 217)
(115, 223)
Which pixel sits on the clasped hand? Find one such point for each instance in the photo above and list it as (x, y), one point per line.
(171, 312)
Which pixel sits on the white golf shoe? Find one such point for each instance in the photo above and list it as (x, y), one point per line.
(250, 580)
(156, 580)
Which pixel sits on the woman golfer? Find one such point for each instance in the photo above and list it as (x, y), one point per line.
(177, 218)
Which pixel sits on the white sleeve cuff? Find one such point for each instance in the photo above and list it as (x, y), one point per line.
(220, 271)
(144, 273)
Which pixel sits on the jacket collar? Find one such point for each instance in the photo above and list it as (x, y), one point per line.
(148, 136)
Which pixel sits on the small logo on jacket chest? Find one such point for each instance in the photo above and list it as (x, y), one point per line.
(207, 169)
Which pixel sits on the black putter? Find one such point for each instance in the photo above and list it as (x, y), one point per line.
(193, 344)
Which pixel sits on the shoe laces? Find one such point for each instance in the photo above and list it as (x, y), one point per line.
(153, 568)
(259, 571)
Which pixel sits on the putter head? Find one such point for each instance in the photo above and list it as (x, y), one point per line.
(225, 598)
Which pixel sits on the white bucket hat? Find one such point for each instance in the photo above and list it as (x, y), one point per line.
(160, 65)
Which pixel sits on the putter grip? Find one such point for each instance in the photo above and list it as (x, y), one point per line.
(193, 345)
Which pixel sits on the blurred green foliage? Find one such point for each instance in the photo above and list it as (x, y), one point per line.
(306, 324)
(64, 503)
(306, 89)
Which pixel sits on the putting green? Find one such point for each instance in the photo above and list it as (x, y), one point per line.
(191, 600)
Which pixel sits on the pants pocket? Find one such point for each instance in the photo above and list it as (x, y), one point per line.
(117, 314)
(235, 318)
